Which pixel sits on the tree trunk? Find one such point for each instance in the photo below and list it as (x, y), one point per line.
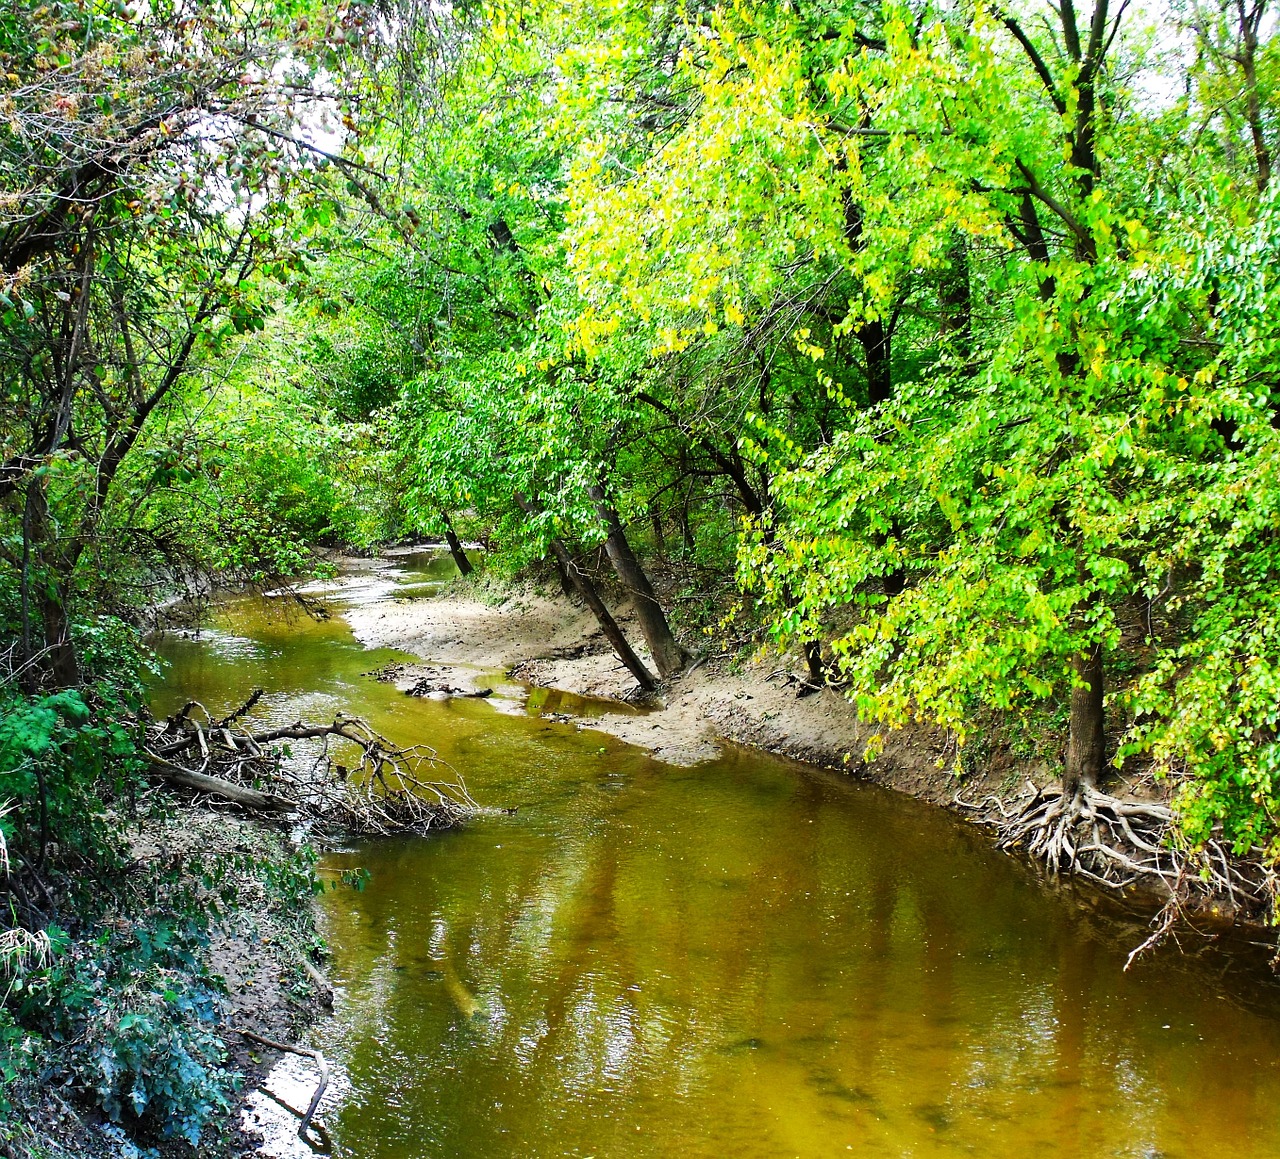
(875, 340)
(813, 659)
(682, 512)
(455, 546)
(608, 625)
(59, 661)
(1248, 60)
(956, 323)
(895, 582)
(659, 537)
(667, 653)
(63, 665)
(566, 585)
(1086, 742)
(587, 590)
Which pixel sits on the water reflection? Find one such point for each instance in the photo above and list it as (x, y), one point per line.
(743, 958)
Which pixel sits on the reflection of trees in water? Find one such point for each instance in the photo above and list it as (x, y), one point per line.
(804, 964)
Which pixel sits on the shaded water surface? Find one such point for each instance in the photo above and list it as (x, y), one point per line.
(742, 959)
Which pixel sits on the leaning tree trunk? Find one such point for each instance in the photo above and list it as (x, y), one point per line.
(566, 584)
(59, 661)
(455, 546)
(1086, 743)
(587, 590)
(667, 653)
(608, 625)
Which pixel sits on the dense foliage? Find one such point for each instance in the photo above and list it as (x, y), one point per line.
(943, 330)
(955, 317)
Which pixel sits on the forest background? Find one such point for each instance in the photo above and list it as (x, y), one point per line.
(931, 341)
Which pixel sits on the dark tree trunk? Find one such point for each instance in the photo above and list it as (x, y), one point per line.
(566, 585)
(955, 299)
(608, 625)
(875, 341)
(455, 546)
(813, 659)
(667, 653)
(1086, 742)
(61, 662)
(659, 538)
(587, 590)
(895, 582)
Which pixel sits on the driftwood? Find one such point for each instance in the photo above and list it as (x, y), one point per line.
(228, 790)
(324, 992)
(424, 687)
(305, 1052)
(355, 781)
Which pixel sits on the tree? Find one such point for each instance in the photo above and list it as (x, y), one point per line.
(144, 158)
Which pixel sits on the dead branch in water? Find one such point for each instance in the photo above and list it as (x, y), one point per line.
(382, 789)
(1122, 844)
(305, 1052)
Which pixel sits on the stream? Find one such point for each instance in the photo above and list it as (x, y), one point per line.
(747, 958)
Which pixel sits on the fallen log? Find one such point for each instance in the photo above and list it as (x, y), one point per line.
(228, 790)
(324, 992)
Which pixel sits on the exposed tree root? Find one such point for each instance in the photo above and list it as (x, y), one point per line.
(376, 789)
(1124, 845)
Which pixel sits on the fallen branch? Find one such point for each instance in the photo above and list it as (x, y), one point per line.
(323, 990)
(358, 782)
(227, 790)
(305, 1052)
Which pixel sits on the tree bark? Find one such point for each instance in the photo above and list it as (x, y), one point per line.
(1086, 741)
(813, 660)
(956, 323)
(667, 653)
(227, 790)
(587, 590)
(608, 625)
(1248, 60)
(875, 340)
(63, 664)
(59, 662)
(455, 546)
(566, 585)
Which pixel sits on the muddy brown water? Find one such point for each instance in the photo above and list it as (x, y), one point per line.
(748, 958)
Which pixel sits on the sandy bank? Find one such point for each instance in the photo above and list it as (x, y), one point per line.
(551, 643)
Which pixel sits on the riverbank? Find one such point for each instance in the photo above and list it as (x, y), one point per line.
(477, 636)
(473, 638)
(225, 931)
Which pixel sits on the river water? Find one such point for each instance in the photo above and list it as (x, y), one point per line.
(747, 958)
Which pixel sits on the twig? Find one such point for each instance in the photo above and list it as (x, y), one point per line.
(305, 1052)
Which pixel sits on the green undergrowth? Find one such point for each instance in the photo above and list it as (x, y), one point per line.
(120, 906)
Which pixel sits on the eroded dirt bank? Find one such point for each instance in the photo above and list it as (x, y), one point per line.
(469, 642)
